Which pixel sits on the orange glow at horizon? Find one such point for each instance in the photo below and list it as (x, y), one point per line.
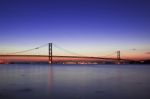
(45, 59)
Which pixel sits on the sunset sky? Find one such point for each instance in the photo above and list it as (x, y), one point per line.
(87, 27)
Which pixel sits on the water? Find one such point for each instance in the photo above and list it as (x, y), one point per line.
(74, 81)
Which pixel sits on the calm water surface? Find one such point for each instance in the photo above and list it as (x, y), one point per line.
(74, 81)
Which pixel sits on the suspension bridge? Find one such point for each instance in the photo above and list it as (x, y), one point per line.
(46, 54)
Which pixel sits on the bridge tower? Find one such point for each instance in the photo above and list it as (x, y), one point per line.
(50, 51)
(118, 57)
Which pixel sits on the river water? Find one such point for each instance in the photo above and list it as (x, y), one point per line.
(19, 81)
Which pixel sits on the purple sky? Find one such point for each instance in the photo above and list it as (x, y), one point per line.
(92, 27)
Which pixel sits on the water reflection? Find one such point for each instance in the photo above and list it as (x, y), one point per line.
(74, 82)
(19, 81)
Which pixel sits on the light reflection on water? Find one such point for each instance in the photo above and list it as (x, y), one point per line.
(74, 81)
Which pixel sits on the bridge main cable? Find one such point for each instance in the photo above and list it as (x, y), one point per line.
(27, 50)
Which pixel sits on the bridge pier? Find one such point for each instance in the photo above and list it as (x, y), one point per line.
(118, 57)
(50, 51)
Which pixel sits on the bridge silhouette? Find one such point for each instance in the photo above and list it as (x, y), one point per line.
(46, 55)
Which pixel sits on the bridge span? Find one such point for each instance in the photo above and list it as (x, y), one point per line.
(58, 59)
(33, 56)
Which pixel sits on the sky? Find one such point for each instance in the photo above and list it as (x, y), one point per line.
(88, 27)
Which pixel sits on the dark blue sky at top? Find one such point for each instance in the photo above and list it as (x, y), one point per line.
(75, 22)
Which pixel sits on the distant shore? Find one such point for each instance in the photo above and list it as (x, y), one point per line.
(76, 63)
